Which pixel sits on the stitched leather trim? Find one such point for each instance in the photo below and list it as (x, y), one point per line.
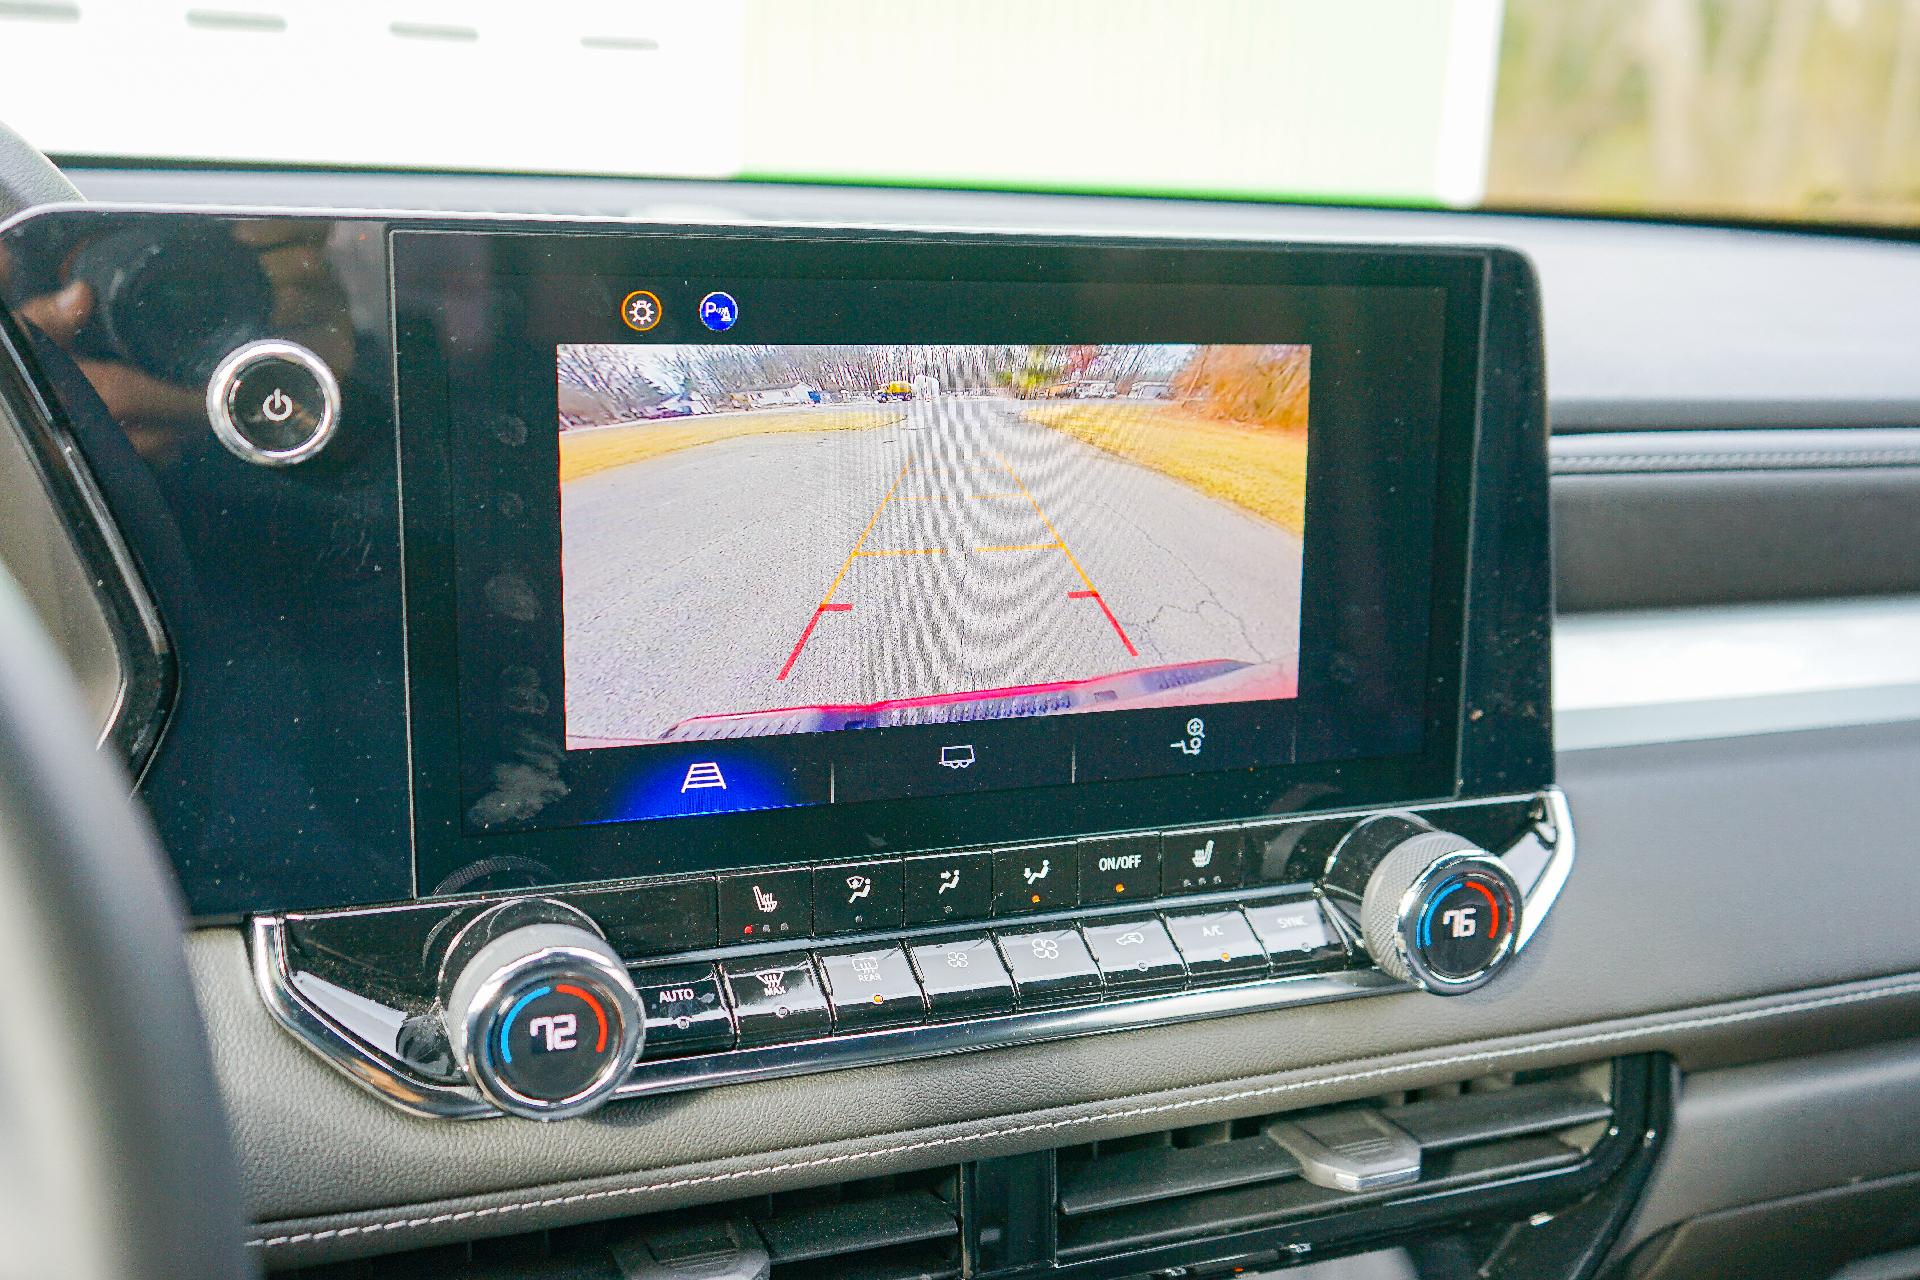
(1783, 460)
(1642, 452)
(1644, 1031)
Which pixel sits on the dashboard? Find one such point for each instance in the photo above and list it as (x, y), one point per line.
(793, 704)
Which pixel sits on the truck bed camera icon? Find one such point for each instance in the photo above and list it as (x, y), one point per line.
(960, 757)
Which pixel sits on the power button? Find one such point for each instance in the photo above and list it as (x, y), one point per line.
(273, 403)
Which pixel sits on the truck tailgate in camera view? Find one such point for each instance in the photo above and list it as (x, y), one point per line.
(855, 536)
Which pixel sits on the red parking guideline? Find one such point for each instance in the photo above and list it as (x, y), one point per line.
(801, 643)
(1117, 628)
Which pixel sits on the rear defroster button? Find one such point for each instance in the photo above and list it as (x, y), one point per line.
(273, 403)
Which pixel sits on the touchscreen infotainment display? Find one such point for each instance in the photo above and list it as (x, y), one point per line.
(877, 536)
(728, 548)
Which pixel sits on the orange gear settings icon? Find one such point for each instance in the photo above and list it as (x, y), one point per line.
(640, 310)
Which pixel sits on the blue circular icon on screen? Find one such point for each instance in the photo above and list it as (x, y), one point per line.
(718, 311)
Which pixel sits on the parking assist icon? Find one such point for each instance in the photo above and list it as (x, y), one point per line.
(719, 312)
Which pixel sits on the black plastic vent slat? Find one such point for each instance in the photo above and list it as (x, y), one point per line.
(859, 1226)
(1139, 1177)
(1224, 1213)
(1443, 1124)
(880, 1266)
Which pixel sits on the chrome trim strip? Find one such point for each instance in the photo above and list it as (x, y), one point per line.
(374, 1071)
(1540, 861)
(225, 380)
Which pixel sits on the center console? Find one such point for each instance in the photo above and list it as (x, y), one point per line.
(601, 660)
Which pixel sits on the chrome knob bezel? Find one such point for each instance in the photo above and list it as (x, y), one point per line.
(502, 971)
(226, 378)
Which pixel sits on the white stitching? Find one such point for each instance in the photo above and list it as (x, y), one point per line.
(819, 1162)
(1813, 459)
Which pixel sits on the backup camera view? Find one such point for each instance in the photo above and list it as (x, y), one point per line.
(795, 539)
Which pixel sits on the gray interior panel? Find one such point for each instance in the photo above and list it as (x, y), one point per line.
(1669, 936)
(1781, 1129)
(36, 548)
(1651, 540)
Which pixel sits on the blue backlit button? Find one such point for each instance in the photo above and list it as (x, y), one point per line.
(1050, 966)
(1035, 877)
(1217, 944)
(759, 906)
(1201, 859)
(1135, 955)
(684, 1010)
(719, 312)
(963, 978)
(872, 988)
(1296, 935)
(776, 999)
(692, 779)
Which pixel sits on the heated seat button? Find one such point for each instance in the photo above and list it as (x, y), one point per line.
(1201, 859)
(949, 886)
(1135, 955)
(769, 905)
(684, 1010)
(1050, 966)
(872, 988)
(1296, 935)
(1118, 868)
(1217, 945)
(963, 978)
(776, 998)
(1035, 877)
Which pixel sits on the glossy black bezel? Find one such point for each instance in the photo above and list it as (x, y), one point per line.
(724, 841)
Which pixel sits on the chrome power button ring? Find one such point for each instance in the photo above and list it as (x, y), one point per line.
(273, 403)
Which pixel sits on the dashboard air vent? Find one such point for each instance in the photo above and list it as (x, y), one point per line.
(1212, 1180)
(899, 1228)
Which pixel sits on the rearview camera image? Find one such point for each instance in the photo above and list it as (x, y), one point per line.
(796, 539)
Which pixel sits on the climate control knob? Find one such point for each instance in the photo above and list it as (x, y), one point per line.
(539, 1010)
(1433, 908)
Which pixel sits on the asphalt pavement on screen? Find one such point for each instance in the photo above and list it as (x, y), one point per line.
(962, 548)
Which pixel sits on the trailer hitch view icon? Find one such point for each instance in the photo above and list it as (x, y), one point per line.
(956, 757)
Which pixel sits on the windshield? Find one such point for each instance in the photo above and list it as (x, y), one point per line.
(1785, 109)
